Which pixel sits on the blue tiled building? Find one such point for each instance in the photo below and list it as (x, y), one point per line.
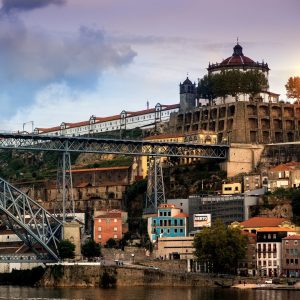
(169, 222)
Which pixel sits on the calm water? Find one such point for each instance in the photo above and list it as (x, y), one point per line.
(138, 293)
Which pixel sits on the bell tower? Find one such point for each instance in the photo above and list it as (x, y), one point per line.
(187, 91)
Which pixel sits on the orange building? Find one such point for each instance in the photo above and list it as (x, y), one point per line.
(107, 225)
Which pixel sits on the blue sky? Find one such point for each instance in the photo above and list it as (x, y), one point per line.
(65, 60)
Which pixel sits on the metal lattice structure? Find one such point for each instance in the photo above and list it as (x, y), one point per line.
(155, 186)
(34, 225)
(111, 146)
(65, 202)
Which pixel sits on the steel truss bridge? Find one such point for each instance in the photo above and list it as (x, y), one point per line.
(35, 225)
(111, 146)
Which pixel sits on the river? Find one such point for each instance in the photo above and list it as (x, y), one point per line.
(138, 293)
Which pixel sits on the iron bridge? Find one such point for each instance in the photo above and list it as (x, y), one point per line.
(111, 146)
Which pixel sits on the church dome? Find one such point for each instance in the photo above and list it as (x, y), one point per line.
(238, 60)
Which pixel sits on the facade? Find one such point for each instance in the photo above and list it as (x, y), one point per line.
(94, 188)
(247, 266)
(108, 225)
(175, 248)
(269, 250)
(291, 256)
(252, 182)
(169, 222)
(243, 122)
(231, 188)
(125, 120)
(284, 176)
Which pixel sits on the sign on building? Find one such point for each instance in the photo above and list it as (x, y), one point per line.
(202, 220)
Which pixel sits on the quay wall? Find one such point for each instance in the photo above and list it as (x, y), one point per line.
(91, 276)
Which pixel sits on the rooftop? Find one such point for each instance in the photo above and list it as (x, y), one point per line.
(262, 222)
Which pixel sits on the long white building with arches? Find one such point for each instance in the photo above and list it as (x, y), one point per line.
(125, 120)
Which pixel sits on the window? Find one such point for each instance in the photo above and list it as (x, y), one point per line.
(154, 222)
(99, 228)
(115, 228)
(269, 263)
(296, 261)
(168, 230)
(274, 263)
(115, 220)
(99, 221)
(181, 230)
(115, 236)
(286, 242)
(295, 242)
(287, 261)
(99, 237)
(175, 230)
(161, 231)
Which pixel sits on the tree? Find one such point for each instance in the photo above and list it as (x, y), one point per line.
(91, 249)
(66, 249)
(220, 247)
(233, 82)
(111, 243)
(293, 88)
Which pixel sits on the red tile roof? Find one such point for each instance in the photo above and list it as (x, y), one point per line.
(181, 215)
(286, 167)
(262, 222)
(292, 237)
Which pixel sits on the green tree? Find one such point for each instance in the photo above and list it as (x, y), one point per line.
(233, 82)
(205, 88)
(220, 247)
(66, 249)
(293, 88)
(111, 243)
(91, 249)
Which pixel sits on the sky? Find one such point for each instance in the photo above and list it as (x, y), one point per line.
(65, 60)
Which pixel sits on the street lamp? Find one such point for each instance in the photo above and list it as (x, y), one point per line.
(29, 122)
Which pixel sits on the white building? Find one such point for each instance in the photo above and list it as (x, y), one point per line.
(125, 120)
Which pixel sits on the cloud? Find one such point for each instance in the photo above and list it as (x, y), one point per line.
(9, 6)
(31, 59)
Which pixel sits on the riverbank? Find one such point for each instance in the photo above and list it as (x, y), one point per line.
(98, 275)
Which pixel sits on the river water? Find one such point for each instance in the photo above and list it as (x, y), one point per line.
(138, 293)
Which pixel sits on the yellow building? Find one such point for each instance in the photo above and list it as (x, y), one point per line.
(231, 188)
(197, 137)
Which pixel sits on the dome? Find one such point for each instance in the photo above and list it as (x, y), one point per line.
(238, 59)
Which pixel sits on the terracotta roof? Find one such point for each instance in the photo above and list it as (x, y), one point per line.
(286, 167)
(181, 215)
(106, 119)
(45, 130)
(263, 222)
(292, 237)
(276, 229)
(99, 169)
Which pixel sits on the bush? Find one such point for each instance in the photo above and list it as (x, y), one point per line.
(66, 249)
(91, 249)
(111, 243)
